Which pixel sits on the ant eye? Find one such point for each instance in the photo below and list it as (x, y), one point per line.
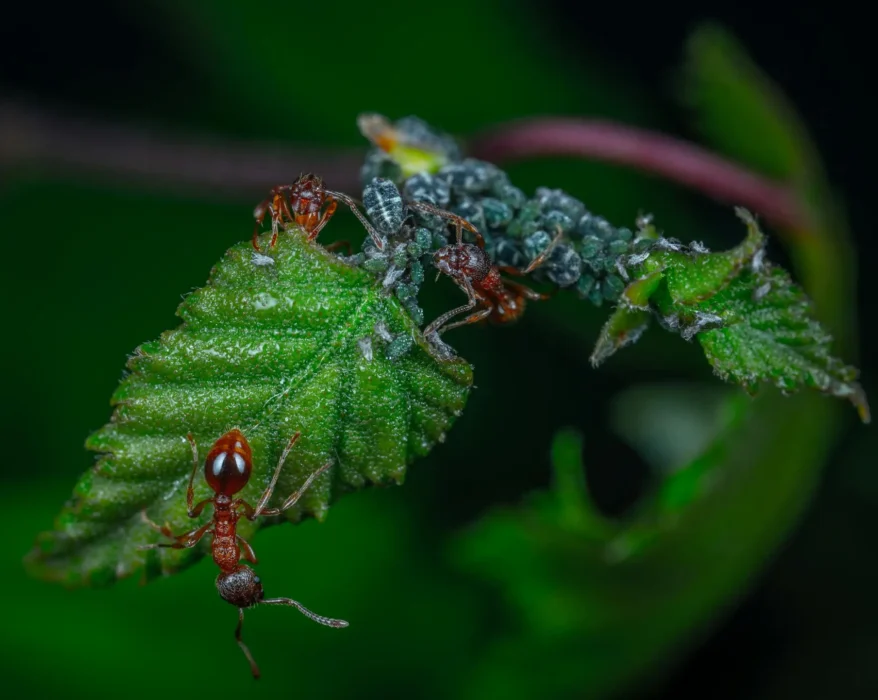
(256, 579)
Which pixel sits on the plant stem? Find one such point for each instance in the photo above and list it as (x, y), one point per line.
(670, 158)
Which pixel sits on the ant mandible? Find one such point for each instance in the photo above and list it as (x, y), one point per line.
(227, 469)
(472, 270)
(301, 203)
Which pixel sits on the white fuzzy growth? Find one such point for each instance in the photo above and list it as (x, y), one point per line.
(365, 345)
(260, 260)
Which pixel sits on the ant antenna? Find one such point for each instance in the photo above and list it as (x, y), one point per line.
(328, 621)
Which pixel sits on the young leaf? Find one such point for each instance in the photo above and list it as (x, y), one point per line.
(299, 341)
(754, 324)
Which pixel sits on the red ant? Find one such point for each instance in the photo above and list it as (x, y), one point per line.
(227, 470)
(301, 204)
(472, 270)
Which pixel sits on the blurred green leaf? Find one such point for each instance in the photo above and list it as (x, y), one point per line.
(298, 343)
(599, 603)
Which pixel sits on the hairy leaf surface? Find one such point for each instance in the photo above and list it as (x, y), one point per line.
(299, 342)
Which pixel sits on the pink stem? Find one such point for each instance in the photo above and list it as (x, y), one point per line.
(670, 158)
(31, 137)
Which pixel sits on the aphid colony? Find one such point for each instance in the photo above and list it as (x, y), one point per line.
(420, 196)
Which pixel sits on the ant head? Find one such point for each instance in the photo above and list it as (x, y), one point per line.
(229, 463)
(240, 587)
(309, 181)
(462, 260)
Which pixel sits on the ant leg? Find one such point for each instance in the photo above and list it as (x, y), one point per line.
(266, 495)
(527, 291)
(184, 541)
(339, 244)
(373, 234)
(459, 222)
(249, 554)
(437, 324)
(473, 318)
(296, 495)
(541, 258)
(254, 669)
(259, 213)
(471, 304)
(190, 491)
(327, 215)
(328, 621)
(163, 529)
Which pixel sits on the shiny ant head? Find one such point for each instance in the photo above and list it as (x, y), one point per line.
(462, 260)
(241, 587)
(229, 463)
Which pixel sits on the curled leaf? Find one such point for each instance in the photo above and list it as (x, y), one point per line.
(754, 324)
(298, 341)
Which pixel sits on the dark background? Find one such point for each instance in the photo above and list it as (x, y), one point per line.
(806, 629)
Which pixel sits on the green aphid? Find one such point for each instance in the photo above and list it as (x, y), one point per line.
(415, 311)
(376, 264)
(399, 346)
(497, 214)
(404, 291)
(612, 287)
(416, 272)
(424, 239)
(585, 284)
(558, 221)
(618, 247)
(509, 195)
(590, 247)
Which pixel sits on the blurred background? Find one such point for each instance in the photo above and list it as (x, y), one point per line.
(135, 140)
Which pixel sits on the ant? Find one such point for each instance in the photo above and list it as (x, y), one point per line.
(472, 270)
(301, 203)
(227, 469)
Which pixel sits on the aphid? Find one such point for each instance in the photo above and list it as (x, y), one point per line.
(410, 144)
(227, 469)
(388, 210)
(472, 270)
(302, 203)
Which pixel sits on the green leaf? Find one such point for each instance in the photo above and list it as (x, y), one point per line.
(754, 324)
(300, 342)
(772, 336)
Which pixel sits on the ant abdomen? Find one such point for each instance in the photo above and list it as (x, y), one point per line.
(240, 587)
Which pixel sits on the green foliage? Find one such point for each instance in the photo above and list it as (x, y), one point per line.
(296, 342)
(754, 324)
(746, 116)
(600, 602)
